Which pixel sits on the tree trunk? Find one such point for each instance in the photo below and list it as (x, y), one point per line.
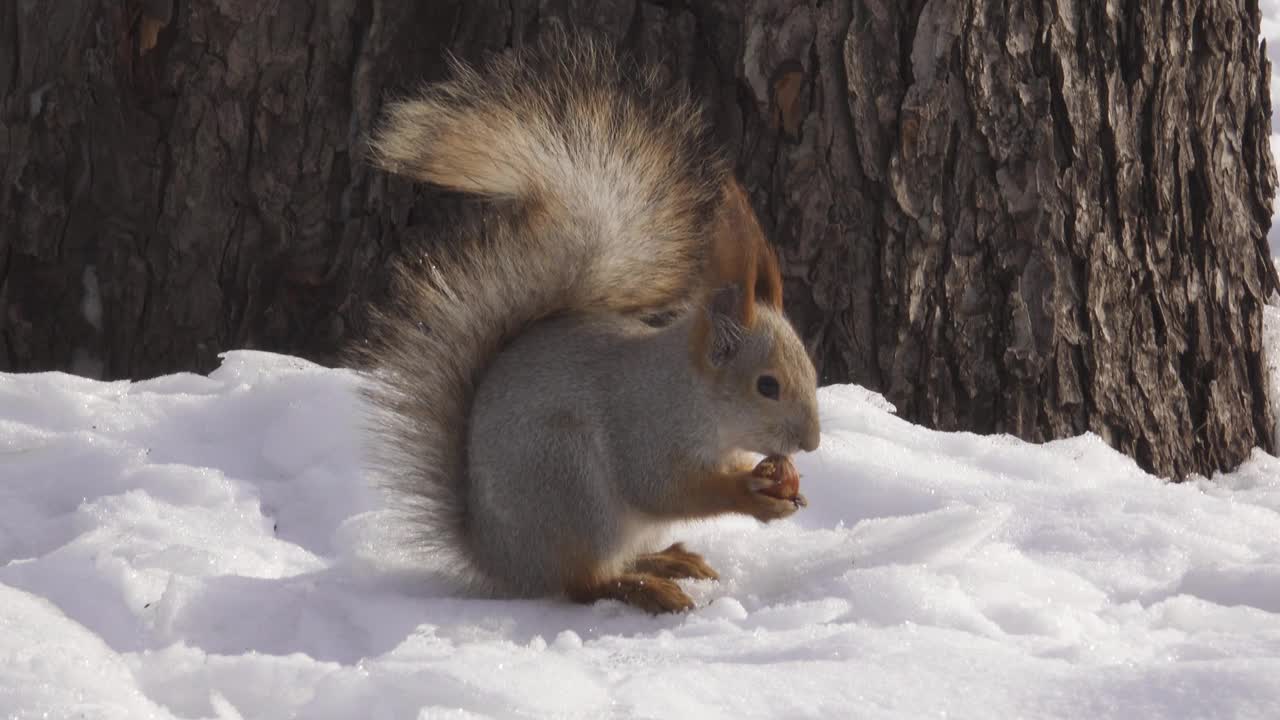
(1037, 218)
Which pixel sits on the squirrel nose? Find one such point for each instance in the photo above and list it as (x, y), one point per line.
(812, 437)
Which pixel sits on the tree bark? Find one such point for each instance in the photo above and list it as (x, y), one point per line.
(1036, 218)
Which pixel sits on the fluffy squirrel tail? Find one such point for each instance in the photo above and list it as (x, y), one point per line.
(621, 168)
(604, 189)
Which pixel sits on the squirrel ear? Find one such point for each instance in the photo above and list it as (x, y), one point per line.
(726, 330)
(741, 253)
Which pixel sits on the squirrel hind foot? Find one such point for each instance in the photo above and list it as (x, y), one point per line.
(653, 594)
(674, 563)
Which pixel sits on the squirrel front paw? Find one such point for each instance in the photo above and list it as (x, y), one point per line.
(774, 489)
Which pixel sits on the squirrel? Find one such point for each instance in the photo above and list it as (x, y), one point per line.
(531, 420)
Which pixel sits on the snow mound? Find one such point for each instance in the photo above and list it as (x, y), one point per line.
(201, 547)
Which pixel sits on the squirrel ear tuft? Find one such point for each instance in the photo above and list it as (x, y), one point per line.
(726, 334)
(741, 253)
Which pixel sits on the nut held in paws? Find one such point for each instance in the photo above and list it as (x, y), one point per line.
(785, 477)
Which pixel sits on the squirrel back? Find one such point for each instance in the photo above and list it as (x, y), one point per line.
(606, 197)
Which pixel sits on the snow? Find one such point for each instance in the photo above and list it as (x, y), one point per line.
(205, 547)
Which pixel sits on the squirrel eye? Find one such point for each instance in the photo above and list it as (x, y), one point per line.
(768, 386)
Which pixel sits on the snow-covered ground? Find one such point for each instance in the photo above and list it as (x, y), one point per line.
(200, 547)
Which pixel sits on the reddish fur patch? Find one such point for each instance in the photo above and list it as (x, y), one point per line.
(674, 563)
(704, 493)
(739, 254)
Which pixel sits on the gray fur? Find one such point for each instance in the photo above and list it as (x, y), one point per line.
(581, 426)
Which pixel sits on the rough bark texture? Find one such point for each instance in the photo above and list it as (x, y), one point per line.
(1037, 218)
